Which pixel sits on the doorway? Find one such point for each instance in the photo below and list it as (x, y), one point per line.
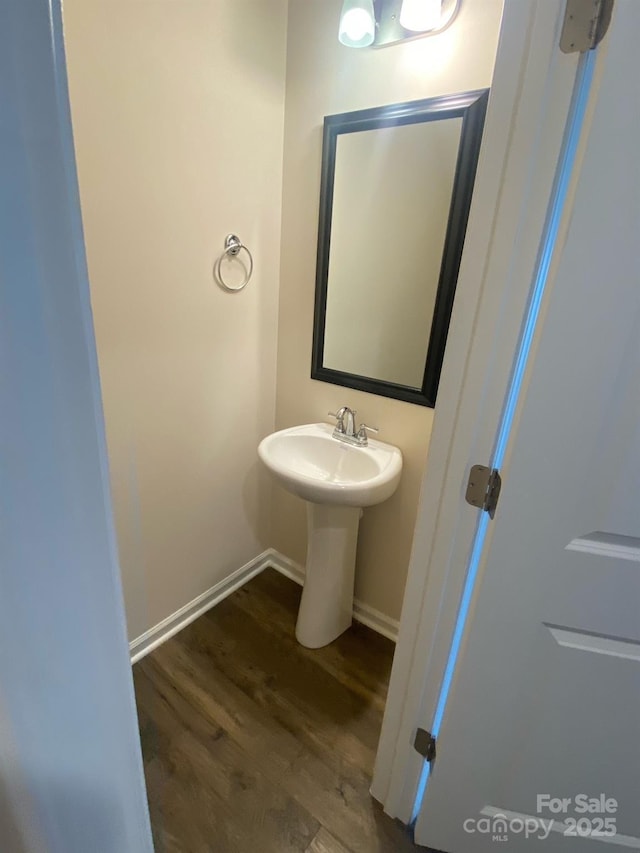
(99, 620)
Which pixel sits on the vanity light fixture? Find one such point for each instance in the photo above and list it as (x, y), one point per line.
(365, 23)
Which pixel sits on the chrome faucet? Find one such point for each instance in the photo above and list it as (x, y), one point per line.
(346, 427)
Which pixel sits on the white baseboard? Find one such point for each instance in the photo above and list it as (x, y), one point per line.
(361, 612)
(161, 632)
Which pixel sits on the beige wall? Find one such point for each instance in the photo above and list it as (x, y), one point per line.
(178, 121)
(323, 77)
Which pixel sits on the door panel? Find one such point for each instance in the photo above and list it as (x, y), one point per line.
(546, 696)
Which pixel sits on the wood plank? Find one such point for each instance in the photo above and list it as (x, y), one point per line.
(324, 842)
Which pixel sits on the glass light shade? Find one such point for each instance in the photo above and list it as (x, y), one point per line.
(357, 23)
(420, 15)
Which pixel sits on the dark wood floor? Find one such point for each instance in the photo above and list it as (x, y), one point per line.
(253, 743)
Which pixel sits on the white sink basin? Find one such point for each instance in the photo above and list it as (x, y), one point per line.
(312, 464)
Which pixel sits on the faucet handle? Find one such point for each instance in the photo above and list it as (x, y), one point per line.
(362, 432)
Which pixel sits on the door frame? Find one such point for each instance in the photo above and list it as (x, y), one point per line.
(524, 132)
(71, 769)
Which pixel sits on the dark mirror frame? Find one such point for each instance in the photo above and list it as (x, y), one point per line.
(471, 107)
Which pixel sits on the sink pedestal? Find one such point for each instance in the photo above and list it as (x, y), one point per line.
(327, 596)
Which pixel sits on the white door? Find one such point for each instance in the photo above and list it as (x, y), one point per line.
(544, 707)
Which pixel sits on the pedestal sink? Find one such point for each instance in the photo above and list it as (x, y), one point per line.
(337, 480)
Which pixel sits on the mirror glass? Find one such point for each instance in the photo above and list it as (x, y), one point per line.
(391, 193)
(396, 188)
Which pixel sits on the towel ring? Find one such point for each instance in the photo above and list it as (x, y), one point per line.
(232, 246)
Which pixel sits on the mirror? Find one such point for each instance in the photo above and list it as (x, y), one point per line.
(394, 202)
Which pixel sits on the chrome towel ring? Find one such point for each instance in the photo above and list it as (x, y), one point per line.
(232, 246)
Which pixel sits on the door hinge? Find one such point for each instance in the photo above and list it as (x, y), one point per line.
(585, 24)
(425, 744)
(483, 488)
